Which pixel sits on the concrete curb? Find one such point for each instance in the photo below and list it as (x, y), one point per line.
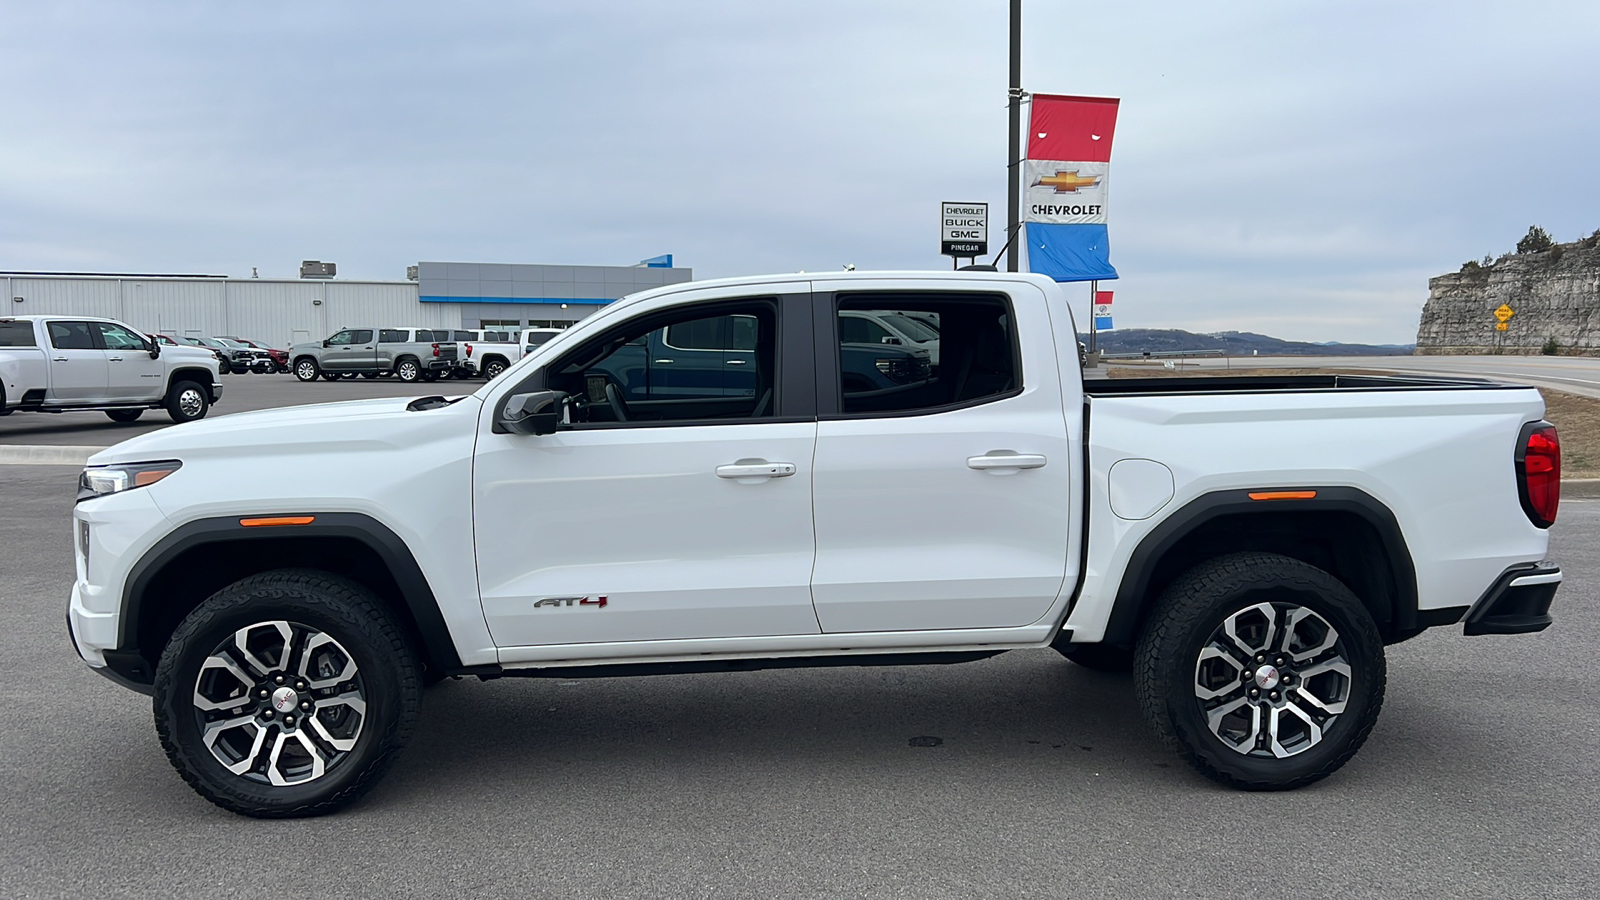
(1580, 488)
(45, 455)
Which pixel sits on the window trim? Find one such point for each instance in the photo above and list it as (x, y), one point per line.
(792, 399)
(826, 309)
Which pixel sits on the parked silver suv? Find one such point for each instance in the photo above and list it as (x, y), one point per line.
(410, 354)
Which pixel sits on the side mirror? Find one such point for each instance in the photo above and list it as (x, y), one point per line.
(325, 342)
(155, 350)
(540, 412)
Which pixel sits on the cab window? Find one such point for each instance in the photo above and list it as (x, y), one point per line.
(118, 338)
(676, 367)
(970, 358)
(71, 336)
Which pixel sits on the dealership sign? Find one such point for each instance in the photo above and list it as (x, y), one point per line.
(963, 229)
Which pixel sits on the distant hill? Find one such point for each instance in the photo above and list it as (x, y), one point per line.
(1233, 343)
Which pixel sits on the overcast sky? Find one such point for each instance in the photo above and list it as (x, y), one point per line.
(1294, 167)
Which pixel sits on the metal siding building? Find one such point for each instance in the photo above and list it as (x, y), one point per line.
(286, 311)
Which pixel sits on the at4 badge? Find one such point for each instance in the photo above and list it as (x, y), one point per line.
(597, 602)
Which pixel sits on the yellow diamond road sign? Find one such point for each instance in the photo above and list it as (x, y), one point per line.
(1503, 313)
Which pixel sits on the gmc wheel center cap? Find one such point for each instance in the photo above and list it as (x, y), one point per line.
(1267, 678)
(284, 699)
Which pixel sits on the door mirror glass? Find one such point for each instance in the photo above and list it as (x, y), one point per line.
(540, 412)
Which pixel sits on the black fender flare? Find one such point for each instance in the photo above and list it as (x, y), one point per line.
(389, 547)
(1132, 594)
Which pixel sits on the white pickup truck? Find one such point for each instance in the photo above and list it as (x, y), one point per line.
(60, 363)
(285, 582)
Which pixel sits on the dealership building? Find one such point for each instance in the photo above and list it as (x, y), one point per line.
(284, 311)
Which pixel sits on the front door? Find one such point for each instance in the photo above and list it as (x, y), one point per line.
(351, 350)
(679, 518)
(131, 375)
(942, 498)
(77, 364)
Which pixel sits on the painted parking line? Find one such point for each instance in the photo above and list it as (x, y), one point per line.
(45, 455)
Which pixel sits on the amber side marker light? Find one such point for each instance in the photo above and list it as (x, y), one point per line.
(1282, 495)
(277, 520)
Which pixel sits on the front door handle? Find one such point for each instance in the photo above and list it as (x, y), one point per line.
(736, 362)
(58, 359)
(665, 362)
(756, 469)
(1006, 459)
(114, 359)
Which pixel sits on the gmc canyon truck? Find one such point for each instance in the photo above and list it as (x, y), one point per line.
(285, 582)
(61, 363)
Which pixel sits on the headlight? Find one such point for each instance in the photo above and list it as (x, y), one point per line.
(98, 481)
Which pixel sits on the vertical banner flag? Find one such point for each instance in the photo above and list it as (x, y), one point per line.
(1065, 185)
(1102, 311)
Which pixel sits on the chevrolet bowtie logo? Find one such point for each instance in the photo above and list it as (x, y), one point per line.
(1067, 182)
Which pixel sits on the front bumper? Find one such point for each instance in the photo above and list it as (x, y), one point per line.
(1517, 603)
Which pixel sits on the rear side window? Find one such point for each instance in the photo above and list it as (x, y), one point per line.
(17, 334)
(971, 358)
(391, 336)
(71, 336)
(459, 335)
(364, 336)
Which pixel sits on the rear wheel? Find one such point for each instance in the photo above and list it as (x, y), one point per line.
(306, 369)
(408, 369)
(124, 415)
(187, 401)
(1266, 673)
(493, 368)
(286, 694)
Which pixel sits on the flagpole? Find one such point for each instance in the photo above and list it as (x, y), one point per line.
(1094, 326)
(1014, 145)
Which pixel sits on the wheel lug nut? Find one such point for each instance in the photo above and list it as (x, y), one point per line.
(267, 714)
(305, 704)
(278, 680)
(288, 720)
(264, 693)
(1274, 695)
(1254, 692)
(299, 685)
(1261, 657)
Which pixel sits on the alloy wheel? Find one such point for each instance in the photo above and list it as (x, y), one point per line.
(1272, 679)
(279, 703)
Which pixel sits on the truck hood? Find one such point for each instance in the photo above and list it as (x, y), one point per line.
(352, 424)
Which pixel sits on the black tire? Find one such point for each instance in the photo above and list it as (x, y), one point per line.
(493, 367)
(429, 376)
(1185, 651)
(407, 369)
(224, 367)
(306, 369)
(187, 401)
(1100, 657)
(331, 376)
(386, 679)
(124, 415)
(369, 374)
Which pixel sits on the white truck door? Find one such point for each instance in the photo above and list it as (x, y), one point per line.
(130, 372)
(941, 498)
(645, 519)
(77, 364)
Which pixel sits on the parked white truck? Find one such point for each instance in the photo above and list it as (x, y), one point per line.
(60, 363)
(285, 582)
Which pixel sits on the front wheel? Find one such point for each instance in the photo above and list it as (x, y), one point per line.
(1264, 672)
(306, 369)
(286, 694)
(186, 402)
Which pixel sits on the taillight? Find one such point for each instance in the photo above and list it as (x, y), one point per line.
(1539, 472)
(435, 349)
(469, 350)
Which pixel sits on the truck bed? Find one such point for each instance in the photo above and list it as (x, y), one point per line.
(1256, 384)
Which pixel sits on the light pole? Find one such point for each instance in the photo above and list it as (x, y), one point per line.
(1014, 144)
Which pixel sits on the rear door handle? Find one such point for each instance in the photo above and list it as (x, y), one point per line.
(114, 358)
(665, 362)
(58, 359)
(736, 362)
(1006, 459)
(756, 469)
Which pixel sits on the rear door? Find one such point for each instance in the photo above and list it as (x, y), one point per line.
(77, 363)
(942, 501)
(350, 350)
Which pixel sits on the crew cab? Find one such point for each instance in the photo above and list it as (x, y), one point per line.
(285, 582)
(410, 354)
(61, 363)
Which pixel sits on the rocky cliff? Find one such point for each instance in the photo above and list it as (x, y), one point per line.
(1555, 295)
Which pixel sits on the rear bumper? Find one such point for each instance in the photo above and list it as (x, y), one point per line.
(1517, 603)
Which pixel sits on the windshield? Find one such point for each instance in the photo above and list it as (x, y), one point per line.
(915, 329)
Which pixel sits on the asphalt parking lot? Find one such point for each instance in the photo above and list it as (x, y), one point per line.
(1480, 779)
